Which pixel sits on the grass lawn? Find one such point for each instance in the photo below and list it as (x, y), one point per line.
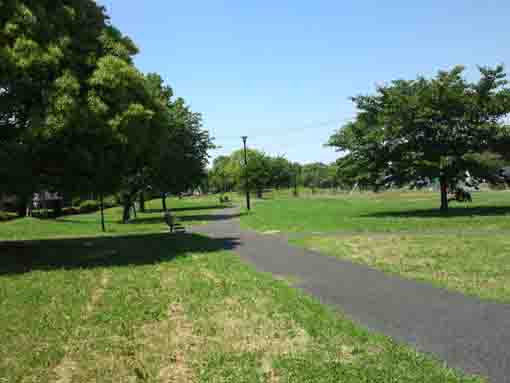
(384, 212)
(467, 251)
(159, 307)
(190, 211)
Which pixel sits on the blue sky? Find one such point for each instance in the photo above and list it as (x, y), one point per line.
(282, 72)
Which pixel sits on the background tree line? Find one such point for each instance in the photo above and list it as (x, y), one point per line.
(229, 173)
(77, 116)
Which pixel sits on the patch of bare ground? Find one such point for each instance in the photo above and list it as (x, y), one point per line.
(167, 345)
(170, 350)
(98, 293)
(67, 368)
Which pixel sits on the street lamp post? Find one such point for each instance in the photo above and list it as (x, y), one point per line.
(246, 174)
(296, 182)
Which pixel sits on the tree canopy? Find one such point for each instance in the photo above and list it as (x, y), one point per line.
(263, 171)
(77, 115)
(436, 128)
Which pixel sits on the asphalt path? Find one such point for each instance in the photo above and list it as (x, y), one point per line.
(467, 333)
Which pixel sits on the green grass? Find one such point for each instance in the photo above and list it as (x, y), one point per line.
(467, 250)
(190, 211)
(159, 307)
(473, 264)
(385, 212)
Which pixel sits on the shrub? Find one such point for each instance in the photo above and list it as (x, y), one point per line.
(6, 216)
(224, 199)
(89, 206)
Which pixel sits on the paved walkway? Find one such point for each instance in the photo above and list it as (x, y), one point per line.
(468, 334)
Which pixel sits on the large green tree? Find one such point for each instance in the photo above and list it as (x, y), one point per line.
(428, 128)
(232, 172)
(183, 152)
(76, 115)
(221, 177)
(282, 172)
(48, 51)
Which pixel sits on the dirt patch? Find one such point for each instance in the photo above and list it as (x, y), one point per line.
(244, 329)
(65, 371)
(211, 276)
(98, 293)
(166, 345)
(67, 368)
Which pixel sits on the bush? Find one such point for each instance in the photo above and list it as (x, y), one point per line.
(6, 216)
(90, 206)
(224, 199)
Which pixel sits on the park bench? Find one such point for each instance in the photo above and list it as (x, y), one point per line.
(170, 220)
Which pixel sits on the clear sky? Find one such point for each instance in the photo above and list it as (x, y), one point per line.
(282, 72)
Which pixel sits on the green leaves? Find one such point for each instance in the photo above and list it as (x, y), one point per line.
(76, 114)
(405, 131)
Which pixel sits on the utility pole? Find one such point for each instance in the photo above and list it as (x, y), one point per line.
(246, 174)
(296, 182)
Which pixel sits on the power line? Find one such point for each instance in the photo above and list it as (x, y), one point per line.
(290, 131)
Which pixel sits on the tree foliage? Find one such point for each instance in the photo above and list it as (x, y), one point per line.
(77, 115)
(427, 128)
(261, 172)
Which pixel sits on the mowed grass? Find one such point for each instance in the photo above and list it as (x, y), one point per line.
(467, 250)
(189, 211)
(159, 307)
(177, 308)
(382, 212)
(477, 265)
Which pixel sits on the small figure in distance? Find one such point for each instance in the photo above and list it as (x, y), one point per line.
(461, 195)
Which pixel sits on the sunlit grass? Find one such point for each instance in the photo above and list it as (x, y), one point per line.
(466, 250)
(189, 211)
(384, 212)
(473, 264)
(161, 307)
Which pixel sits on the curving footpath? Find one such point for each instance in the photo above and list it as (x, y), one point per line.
(468, 334)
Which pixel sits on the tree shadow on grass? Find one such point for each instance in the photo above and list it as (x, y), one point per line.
(190, 208)
(186, 218)
(147, 220)
(453, 212)
(208, 217)
(85, 253)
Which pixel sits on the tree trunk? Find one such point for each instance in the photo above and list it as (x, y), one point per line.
(22, 206)
(444, 194)
(126, 211)
(142, 202)
(101, 200)
(163, 201)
